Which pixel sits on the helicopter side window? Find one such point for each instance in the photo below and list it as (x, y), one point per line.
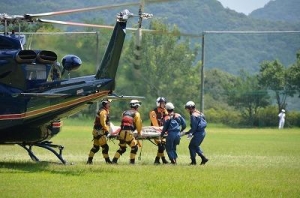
(36, 72)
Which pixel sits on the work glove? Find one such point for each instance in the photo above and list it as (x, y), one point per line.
(189, 136)
(139, 136)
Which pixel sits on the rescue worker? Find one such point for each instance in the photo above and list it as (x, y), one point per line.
(157, 119)
(100, 132)
(281, 116)
(197, 132)
(13, 34)
(173, 123)
(131, 121)
(55, 74)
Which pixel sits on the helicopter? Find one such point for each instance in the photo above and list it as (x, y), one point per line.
(31, 106)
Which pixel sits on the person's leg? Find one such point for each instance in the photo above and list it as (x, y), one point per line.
(156, 160)
(169, 147)
(134, 149)
(95, 147)
(192, 151)
(122, 148)
(105, 149)
(199, 137)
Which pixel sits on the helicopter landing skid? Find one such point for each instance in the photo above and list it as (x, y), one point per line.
(46, 145)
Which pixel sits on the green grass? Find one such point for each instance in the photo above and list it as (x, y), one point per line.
(243, 163)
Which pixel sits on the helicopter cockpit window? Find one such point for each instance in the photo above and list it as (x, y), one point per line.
(36, 72)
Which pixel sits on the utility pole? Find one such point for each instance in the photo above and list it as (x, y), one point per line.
(202, 76)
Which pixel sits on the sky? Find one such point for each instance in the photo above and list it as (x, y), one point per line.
(244, 6)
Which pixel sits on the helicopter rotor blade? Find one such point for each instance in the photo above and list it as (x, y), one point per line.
(79, 10)
(138, 31)
(32, 16)
(75, 24)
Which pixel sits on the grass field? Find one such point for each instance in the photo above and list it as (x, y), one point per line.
(242, 163)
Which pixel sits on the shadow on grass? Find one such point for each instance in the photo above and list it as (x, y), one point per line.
(54, 168)
(33, 167)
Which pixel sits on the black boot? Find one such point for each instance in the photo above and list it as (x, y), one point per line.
(193, 161)
(90, 160)
(156, 161)
(107, 160)
(173, 161)
(115, 161)
(204, 159)
(164, 160)
(132, 161)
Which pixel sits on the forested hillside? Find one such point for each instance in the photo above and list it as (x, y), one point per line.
(279, 10)
(230, 52)
(171, 64)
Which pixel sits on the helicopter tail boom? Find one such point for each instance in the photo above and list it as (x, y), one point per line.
(109, 64)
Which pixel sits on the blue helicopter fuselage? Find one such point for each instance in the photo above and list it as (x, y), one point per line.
(32, 103)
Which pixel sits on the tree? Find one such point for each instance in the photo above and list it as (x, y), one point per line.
(273, 76)
(294, 75)
(245, 94)
(167, 68)
(214, 82)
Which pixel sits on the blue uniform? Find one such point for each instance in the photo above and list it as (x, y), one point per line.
(174, 123)
(198, 124)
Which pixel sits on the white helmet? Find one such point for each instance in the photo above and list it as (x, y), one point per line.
(135, 103)
(105, 101)
(170, 106)
(159, 100)
(190, 104)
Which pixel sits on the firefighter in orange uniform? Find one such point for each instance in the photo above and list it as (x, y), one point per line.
(100, 132)
(131, 121)
(157, 119)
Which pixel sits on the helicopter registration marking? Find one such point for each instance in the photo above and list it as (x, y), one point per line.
(80, 91)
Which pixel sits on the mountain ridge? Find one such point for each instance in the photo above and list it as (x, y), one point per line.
(227, 52)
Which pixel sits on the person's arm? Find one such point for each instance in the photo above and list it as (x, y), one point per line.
(103, 118)
(194, 122)
(165, 126)
(138, 123)
(153, 118)
(183, 123)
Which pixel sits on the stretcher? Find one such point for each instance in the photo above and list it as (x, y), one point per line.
(148, 132)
